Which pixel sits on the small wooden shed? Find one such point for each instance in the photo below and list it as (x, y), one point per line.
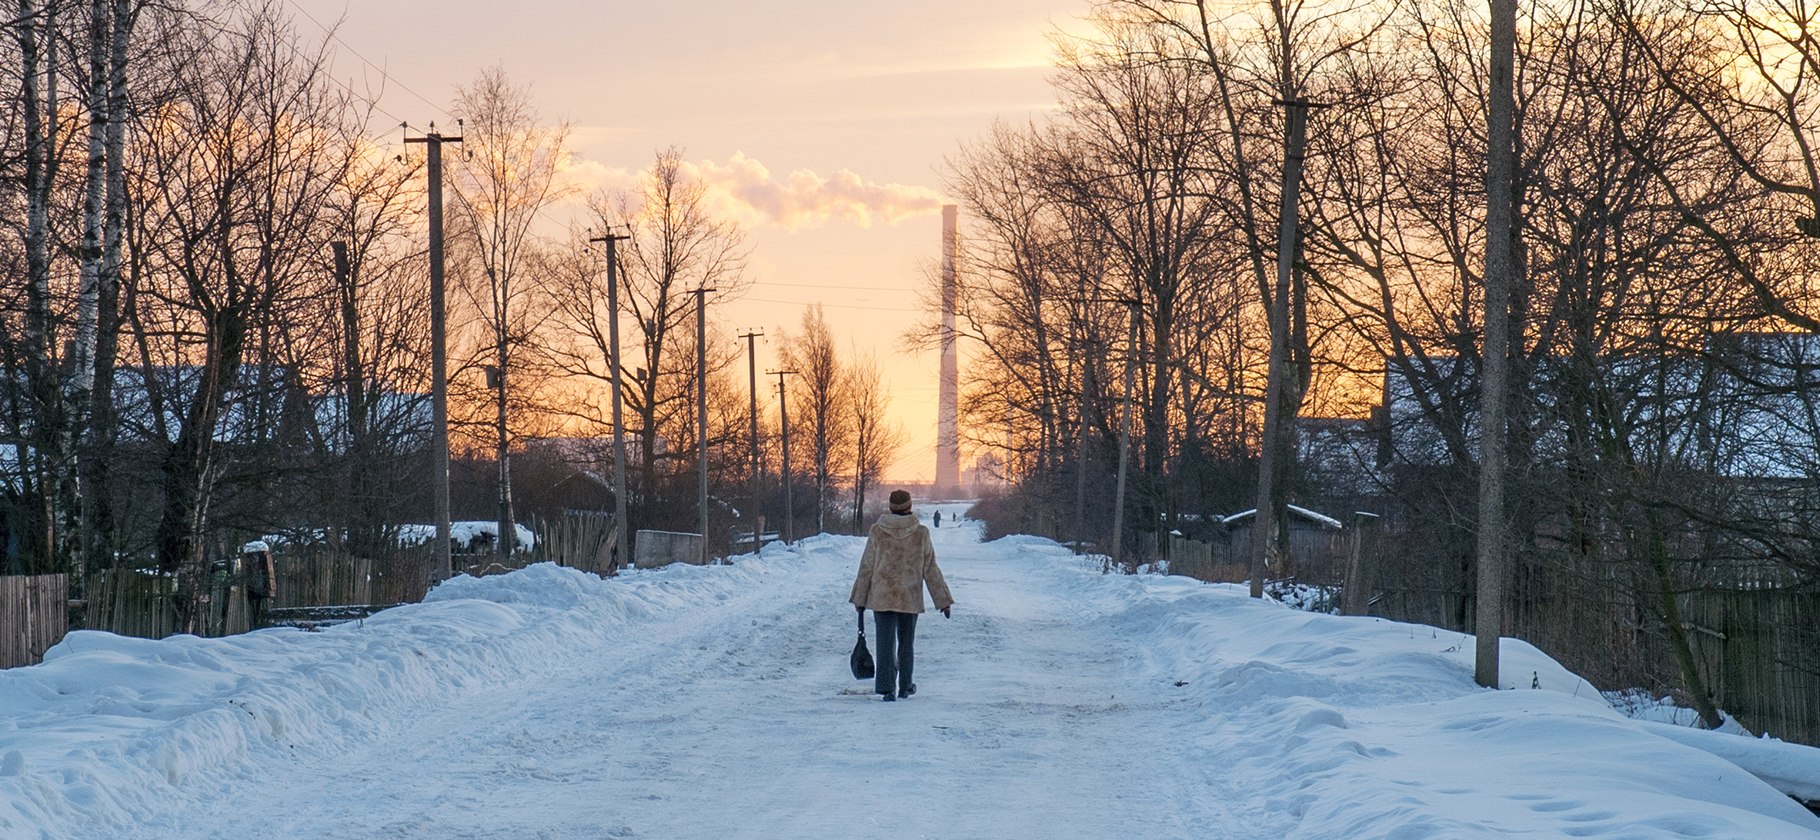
(1318, 545)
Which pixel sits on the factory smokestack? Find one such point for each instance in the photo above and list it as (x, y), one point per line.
(947, 434)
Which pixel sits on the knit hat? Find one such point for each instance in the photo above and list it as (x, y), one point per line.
(900, 501)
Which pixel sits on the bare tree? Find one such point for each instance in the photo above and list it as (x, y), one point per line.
(675, 246)
(43, 456)
(234, 172)
(877, 439)
(509, 172)
(111, 24)
(823, 410)
(377, 340)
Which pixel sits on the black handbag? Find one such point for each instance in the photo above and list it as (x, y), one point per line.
(862, 658)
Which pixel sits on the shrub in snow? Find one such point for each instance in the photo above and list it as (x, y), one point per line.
(1304, 596)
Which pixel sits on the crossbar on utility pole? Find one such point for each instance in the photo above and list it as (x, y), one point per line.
(752, 375)
(620, 548)
(439, 356)
(783, 411)
(701, 405)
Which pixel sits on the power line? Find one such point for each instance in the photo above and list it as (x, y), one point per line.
(847, 288)
(388, 77)
(833, 305)
(343, 85)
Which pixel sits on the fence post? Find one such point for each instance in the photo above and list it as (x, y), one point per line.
(1360, 566)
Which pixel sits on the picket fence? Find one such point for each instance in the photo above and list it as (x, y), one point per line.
(34, 612)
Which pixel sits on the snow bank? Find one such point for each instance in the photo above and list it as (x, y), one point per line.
(1310, 725)
(1351, 727)
(1793, 769)
(109, 728)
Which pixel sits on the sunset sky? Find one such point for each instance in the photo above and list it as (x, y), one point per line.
(823, 125)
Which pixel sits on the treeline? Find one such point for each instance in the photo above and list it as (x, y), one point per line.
(1662, 408)
(209, 319)
(214, 322)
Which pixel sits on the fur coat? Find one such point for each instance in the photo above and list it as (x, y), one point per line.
(899, 560)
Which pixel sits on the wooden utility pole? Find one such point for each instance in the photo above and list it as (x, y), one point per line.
(1263, 523)
(1500, 271)
(752, 377)
(783, 411)
(620, 548)
(439, 356)
(701, 406)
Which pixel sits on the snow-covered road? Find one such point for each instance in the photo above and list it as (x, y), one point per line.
(715, 703)
(726, 719)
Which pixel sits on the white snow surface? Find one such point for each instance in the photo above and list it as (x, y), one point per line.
(463, 533)
(714, 702)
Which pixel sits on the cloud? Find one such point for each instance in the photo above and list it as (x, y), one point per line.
(743, 190)
(586, 177)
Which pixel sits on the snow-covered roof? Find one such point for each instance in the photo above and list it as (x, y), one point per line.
(1743, 409)
(463, 533)
(1321, 519)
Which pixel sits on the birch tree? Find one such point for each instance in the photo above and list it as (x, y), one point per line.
(509, 171)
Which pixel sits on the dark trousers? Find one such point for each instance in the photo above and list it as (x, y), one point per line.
(896, 650)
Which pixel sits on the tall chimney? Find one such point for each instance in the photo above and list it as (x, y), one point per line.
(947, 435)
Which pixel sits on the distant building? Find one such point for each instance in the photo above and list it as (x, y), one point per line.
(988, 470)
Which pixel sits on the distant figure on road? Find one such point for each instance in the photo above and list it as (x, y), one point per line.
(898, 562)
(938, 519)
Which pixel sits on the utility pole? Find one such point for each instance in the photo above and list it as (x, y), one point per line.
(758, 519)
(1118, 508)
(701, 405)
(783, 411)
(439, 356)
(1500, 274)
(1263, 522)
(620, 550)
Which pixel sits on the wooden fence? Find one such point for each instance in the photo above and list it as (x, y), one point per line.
(1203, 561)
(144, 603)
(1760, 649)
(578, 539)
(34, 612)
(132, 603)
(320, 577)
(1756, 641)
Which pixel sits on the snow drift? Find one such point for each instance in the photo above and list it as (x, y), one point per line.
(1297, 724)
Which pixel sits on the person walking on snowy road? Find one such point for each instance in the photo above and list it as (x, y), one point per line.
(898, 562)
